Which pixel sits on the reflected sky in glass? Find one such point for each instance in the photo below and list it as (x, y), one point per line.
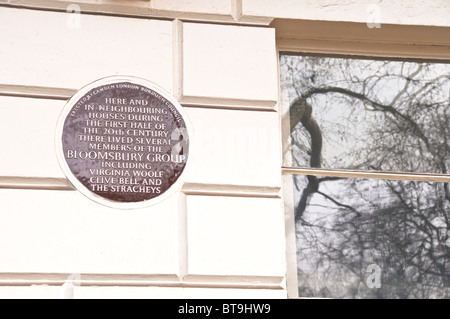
(368, 238)
(370, 114)
(349, 227)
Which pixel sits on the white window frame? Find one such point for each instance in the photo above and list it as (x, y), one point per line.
(345, 39)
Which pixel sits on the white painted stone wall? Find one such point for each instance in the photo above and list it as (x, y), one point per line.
(224, 235)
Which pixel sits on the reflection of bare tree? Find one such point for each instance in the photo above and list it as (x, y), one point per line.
(400, 226)
(397, 108)
(398, 115)
(301, 112)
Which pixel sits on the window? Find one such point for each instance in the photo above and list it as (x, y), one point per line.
(366, 163)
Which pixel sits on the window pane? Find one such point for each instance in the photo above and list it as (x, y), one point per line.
(366, 114)
(368, 238)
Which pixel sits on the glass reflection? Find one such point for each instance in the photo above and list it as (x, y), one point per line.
(368, 238)
(367, 114)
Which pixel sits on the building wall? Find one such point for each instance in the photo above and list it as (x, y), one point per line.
(224, 234)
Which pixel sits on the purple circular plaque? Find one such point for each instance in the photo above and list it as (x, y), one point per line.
(123, 142)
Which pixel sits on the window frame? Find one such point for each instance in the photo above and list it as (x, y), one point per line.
(348, 40)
